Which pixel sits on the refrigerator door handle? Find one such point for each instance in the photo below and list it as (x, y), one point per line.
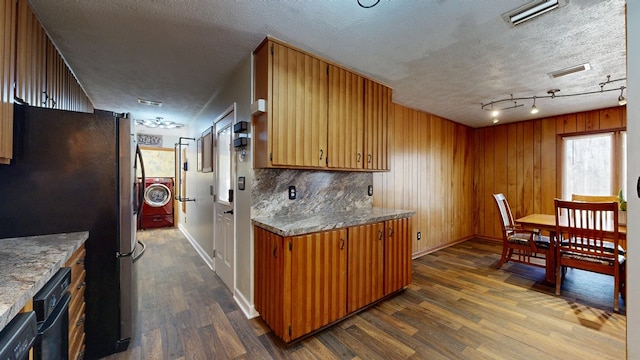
(138, 256)
(140, 195)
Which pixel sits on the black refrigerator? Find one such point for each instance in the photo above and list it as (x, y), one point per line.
(75, 171)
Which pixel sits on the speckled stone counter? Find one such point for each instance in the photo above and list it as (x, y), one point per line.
(291, 225)
(27, 263)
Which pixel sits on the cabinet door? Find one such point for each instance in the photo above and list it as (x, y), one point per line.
(7, 70)
(31, 64)
(269, 279)
(397, 255)
(365, 270)
(346, 119)
(376, 113)
(299, 109)
(318, 280)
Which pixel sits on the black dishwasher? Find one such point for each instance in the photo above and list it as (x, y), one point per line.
(18, 336)
(51, 305)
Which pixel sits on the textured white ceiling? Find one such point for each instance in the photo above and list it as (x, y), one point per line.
(442, 56)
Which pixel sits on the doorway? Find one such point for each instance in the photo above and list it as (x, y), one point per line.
(224, 234)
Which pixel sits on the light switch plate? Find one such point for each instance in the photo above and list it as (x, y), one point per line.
(292, 192)
(370, 190)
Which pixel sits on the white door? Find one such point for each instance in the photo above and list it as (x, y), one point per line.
(224, 236)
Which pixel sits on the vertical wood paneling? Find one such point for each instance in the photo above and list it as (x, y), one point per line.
(533, 177)
(432, 172)
(8, 48)
(365, 265)
(318, 280)
(397, 251)
(346, 119)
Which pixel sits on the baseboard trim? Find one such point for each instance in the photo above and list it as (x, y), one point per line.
(429, 251)
(207, 259)
(247, 308)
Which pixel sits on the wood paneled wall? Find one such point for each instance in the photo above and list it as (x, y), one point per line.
(432, 173)
(521, 160)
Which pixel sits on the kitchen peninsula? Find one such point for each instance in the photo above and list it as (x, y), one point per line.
(316, 269)
(27, 263)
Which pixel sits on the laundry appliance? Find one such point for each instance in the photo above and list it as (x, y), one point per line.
(157, 208)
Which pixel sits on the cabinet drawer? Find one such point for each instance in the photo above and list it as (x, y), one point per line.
(76, 263)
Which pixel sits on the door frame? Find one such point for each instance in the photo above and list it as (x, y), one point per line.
(225, 113)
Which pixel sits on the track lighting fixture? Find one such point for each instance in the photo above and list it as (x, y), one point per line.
(534, 109)
(621, 99)
(552, 94)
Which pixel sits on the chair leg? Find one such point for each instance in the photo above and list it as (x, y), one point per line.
(616, 292)
(558, 277)
(503, 259)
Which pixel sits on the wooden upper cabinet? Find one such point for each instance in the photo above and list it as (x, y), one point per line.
(31, 64)
(293, 132)
(377, 99)
(8, 48)
(317, 114)
(346, 119)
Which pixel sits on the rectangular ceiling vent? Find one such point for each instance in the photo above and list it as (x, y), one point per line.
(569, 70)
(531, 10)
(149, 102)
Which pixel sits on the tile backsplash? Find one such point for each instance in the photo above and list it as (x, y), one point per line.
(317, 191)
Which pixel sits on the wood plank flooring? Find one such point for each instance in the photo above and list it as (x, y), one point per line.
(459, 306)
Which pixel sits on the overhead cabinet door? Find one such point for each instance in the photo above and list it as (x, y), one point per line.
(376, 114)
(299, 109)
(346, 119)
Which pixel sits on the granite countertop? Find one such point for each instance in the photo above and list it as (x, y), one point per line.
(291, 225)
(27, 263)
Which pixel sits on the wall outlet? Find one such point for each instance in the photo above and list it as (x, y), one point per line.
(419, 235)
(292, 192)
(370, 190)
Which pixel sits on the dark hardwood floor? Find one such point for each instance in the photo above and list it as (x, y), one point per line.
(459, 306)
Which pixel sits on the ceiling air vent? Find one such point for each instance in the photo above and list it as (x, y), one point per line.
(149, 102)
(531, 10)
(569, 70)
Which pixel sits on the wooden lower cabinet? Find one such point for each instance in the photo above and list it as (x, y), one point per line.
(77, 304)
(303, 283)
(366, 260)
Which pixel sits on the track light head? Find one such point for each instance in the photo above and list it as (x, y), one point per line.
(621, 99)
(534, 109)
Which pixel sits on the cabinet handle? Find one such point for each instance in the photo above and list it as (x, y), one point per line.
(359, 157)
(80, 321)
(369, 158)
(275, 249)
(321, 154)
(379, 234)
(81, 285)
(390, 231)
(80, 261)
(341, 244)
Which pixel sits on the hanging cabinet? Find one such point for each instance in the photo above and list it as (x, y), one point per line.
(318, 115)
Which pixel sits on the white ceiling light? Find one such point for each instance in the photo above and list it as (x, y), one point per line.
(531, 10)
(621, 99)
(534, 108)
(159, 123)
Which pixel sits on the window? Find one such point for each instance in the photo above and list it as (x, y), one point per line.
(594, 164)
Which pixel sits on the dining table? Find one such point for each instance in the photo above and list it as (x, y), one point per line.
(547, 222)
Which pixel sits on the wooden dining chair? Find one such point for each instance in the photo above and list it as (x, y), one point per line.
(520, 245)
(589, 240)
(594, 198)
